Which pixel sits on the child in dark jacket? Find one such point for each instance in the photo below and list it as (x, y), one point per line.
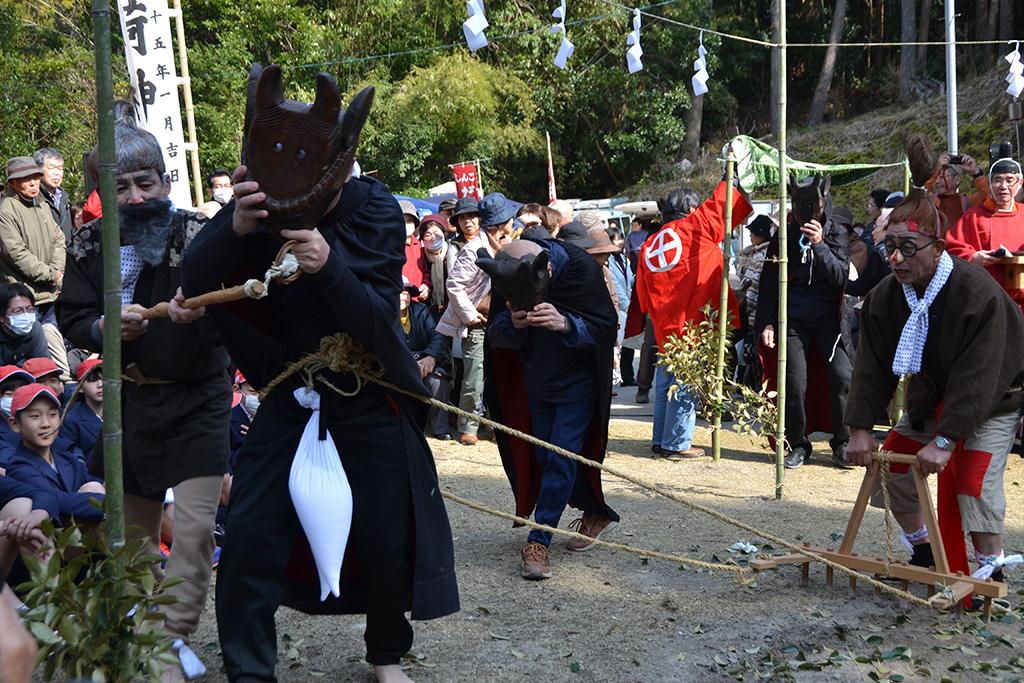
(35, 415)
(83, 423)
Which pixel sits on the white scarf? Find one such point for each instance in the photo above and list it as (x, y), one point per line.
(915, 331)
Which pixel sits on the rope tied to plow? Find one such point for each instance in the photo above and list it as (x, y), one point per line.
(344, 354)
(886, 472)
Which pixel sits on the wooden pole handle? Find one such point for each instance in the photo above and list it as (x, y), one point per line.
(899, 458)
(253, 288)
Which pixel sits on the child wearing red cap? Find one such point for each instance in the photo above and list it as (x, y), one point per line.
(84, 420)
(45, 372)
(11, 377)
(35, 416)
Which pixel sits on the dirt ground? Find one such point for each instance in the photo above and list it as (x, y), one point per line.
(614, 616)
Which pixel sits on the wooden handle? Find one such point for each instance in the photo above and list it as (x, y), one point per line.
(221, 296)
(899, 458)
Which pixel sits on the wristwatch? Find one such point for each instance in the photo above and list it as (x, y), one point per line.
(944, 443)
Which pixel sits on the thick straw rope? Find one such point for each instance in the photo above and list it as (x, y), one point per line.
(341, 354)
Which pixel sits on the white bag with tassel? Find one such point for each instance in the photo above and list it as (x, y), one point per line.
(321, 496)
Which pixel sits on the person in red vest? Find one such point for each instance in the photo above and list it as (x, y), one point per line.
(678, 273)
(993, 225)
(946, 186)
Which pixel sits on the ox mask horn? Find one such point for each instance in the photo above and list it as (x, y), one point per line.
(809, 197)
(300, 154)
(521, 278)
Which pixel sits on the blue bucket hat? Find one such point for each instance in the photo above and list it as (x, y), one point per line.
(495, 209)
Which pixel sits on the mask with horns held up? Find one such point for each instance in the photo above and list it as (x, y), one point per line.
(300, 154)
(519, 273)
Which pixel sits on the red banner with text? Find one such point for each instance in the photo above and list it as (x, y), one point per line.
(467, 180)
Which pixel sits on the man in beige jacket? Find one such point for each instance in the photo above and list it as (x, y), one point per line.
(469, 296)
(32, 247)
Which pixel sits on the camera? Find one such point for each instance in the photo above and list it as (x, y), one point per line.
(999, 150)
(955, 159)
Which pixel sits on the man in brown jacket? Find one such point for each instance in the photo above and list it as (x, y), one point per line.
(32, 247)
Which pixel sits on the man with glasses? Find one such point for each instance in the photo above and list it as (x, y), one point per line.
(993, 231)
(956, 333)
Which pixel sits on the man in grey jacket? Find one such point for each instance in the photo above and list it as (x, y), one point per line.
(51, 162)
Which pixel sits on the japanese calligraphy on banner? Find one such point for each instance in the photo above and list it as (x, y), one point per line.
(467, 181)
(146, 28)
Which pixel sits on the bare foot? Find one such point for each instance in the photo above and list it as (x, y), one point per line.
(392, 673)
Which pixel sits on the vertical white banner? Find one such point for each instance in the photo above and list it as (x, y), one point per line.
(146, 28)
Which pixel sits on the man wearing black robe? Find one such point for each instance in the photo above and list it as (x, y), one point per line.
(350, 284)
(177, 395)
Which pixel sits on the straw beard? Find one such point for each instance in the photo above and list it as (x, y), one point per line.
(146, 226)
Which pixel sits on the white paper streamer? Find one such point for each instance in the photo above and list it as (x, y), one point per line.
(743, 547)
(566, 48)
(473, 28)
(1015, 78)
(635, 52)
(985, 571)
(700, 65)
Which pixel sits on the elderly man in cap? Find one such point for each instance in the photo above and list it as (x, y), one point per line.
(446, 208)
(466, 221)
(993, 231)
(415, 270)
(32, 247)
(469, 300)
(177, 394)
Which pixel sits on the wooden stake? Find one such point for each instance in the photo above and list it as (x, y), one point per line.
(783, 326)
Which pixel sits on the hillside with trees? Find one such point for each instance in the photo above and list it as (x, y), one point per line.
(437, 103)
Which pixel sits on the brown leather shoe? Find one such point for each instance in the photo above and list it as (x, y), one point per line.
(536, 562)
(594, 526)
(688, 454)
(467, 439)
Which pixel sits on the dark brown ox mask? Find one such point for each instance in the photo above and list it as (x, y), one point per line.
(809, 198)
(301, 154)
(522, 279)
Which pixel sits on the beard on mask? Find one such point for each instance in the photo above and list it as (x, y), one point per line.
(146, 226)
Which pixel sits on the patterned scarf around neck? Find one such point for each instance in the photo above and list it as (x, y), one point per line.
(915, 331)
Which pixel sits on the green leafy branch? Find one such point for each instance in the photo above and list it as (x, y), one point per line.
(94, 609)
(692, 356)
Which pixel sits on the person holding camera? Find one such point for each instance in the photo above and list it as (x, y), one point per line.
(991, 233)
(945, 187)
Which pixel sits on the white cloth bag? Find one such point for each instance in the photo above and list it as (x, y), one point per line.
(322, 496)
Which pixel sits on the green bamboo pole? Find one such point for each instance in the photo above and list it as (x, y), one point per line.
(900, 399)
(112, 465)
(783, 326)
(723, 309)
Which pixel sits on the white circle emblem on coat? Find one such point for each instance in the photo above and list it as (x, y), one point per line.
(664, 251)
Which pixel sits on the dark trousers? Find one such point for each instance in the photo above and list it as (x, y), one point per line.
(626, 366)
(262, 528)
(648, 359)
(565, 425)
(826, 336)
(437, 419)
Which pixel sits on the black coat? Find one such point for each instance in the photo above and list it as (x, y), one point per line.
(356, 292)
(423, 339)
(176, 429)
(60, 210)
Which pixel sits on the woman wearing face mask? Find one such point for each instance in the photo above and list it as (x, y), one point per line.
(440, 259)
(415, 269)
(21, 335)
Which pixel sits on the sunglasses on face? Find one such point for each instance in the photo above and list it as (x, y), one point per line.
(906, 247)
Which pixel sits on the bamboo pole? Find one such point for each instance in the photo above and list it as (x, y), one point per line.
(186, 90)
(906, 176)
(723, 310)
(783, 326)
(112, 463)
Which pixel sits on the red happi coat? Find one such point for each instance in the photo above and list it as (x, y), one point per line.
(680, 266)
(984, 228)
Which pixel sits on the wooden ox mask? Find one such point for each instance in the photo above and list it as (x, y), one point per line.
(301, 154)
(519, 273)
(809, 198)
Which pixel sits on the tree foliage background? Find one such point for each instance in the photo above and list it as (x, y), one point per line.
(609, 129)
